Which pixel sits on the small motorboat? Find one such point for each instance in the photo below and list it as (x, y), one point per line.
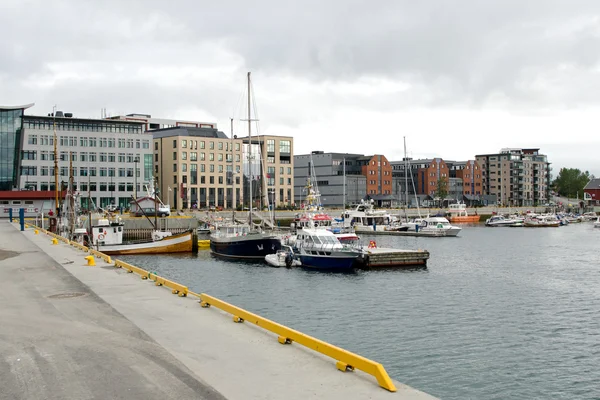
(597, 223)
(283, 258)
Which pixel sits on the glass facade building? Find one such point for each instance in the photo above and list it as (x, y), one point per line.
(11, 130)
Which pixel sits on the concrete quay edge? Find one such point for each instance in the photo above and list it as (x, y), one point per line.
(240, 361)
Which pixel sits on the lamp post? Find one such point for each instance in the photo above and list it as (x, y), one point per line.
(136, 160)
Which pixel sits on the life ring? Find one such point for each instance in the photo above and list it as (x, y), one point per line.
(101, 237)
(372, 244)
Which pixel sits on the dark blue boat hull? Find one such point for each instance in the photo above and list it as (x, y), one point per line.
(327, 263)
(253, 249)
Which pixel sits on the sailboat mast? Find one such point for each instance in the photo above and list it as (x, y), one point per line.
(250, 150)
(344, 169)
(405, 175)
(55, 163)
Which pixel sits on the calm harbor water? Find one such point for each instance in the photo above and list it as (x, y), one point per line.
(500, 313)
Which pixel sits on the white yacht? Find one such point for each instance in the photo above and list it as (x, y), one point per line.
(437, 224)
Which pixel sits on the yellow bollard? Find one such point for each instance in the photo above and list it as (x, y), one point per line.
(36, 232)
(91, 262)
(54, 241)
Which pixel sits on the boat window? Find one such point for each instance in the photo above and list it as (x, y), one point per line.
(120, 229)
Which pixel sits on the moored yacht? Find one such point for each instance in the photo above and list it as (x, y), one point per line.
(320, 249)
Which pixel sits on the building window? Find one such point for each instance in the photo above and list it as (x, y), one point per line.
(155, 145)
(183, 154)
(174, 167)
(220, 147)
(220, 157)
(174, 155)
(202, 156)
(270, 146)
(183, 167)
(184, 144)
(212, 168)
(285, 146)
(211, 157)
(32, 139)
(211, 179)
(211, 145)
(202, 144)
(193, 156)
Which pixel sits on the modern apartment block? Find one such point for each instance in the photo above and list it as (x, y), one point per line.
(462, 180)
(359, 177)
(517, 177)
(111, 159)
(272, 169)
(198, 167)
(151, 123)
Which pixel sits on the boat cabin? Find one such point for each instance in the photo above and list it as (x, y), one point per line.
(107, 232)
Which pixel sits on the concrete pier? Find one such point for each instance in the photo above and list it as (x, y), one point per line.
(70, 331)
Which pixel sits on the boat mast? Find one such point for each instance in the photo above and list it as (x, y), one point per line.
(344, 169)
(250, 151)
(55, 164)
(405, 176)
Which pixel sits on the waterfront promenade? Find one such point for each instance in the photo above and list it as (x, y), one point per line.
(70, 331)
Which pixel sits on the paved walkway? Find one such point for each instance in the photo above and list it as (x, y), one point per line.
(107, 343)
(58, 340)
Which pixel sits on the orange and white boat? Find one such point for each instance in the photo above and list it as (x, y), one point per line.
(107, 237)
(458, 213)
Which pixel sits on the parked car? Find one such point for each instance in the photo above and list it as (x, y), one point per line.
(161, 211)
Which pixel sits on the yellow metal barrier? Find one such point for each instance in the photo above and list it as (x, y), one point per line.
(346, 361)
(103, 256)
(79, 246)
(175, 287)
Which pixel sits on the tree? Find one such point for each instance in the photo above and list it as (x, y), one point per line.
(571, 181)
(441, 190)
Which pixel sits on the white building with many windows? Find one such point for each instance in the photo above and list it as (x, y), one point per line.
(112, 159)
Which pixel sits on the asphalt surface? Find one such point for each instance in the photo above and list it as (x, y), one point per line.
(59, 340)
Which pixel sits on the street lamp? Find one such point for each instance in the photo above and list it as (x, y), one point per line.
(136, 160)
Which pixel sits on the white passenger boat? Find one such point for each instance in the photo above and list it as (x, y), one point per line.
(364, 218)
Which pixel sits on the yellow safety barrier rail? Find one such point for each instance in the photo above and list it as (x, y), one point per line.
(346, 361)
(175, 287)
(79, 246)
(101, 255)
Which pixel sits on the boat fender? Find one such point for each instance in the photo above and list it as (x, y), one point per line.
(101, 237)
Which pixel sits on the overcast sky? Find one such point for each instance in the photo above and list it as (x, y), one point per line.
(457, 78)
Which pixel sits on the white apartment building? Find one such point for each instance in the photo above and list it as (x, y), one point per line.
(112, 159)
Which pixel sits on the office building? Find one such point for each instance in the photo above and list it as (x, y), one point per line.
(111, 159)
(273, 176)
(516, 176)
(198, 167)
(11, 137)
(353, 176)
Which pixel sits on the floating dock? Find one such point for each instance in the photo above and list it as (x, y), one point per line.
(379, 257)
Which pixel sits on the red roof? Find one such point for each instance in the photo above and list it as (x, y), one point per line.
(29, 194)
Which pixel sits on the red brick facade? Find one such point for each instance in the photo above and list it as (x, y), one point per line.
(427, 178)
(378, 172)
(471, 177)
